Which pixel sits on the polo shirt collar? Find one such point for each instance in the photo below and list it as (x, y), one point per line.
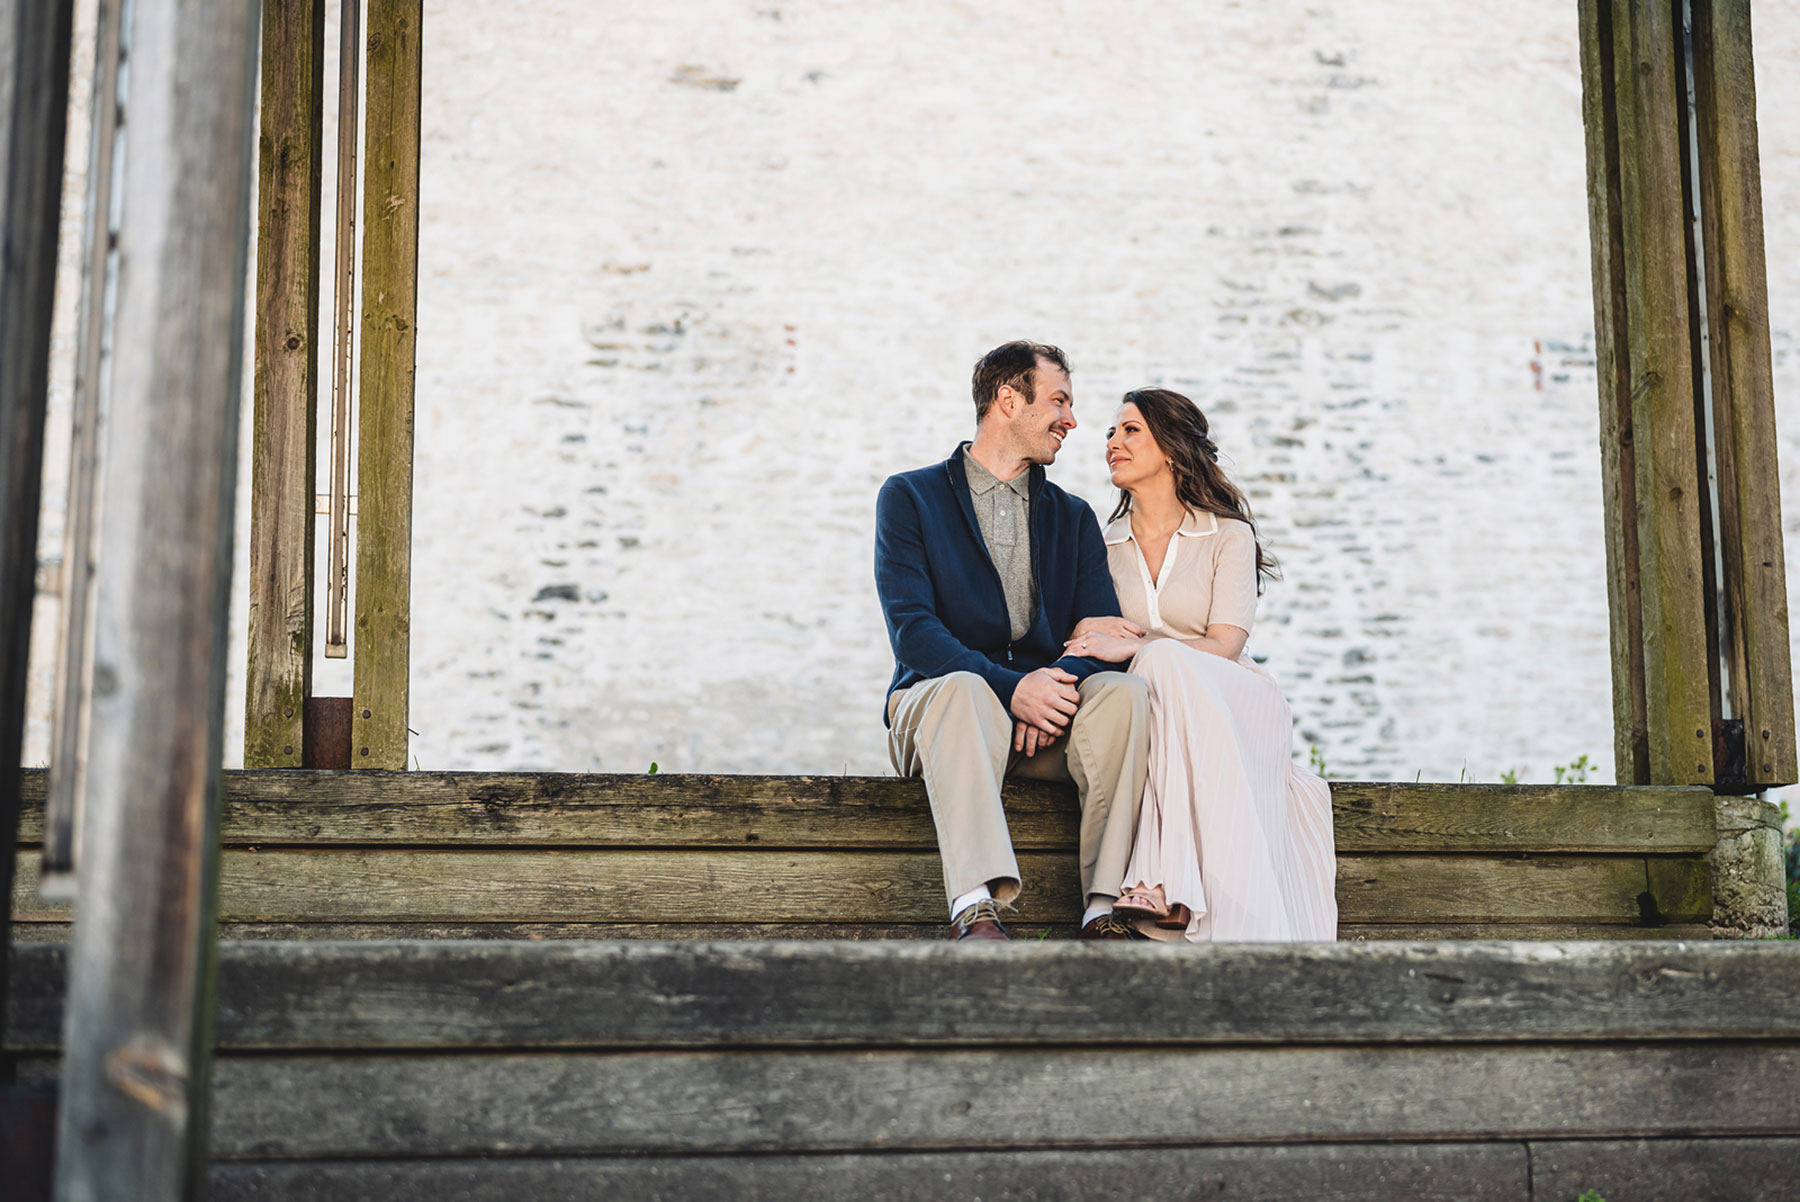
(1194, 525)
(983, 481)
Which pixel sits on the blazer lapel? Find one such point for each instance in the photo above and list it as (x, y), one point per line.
(959, 485)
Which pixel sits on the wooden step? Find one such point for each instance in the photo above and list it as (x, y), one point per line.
(374, 854)
(914, 1070)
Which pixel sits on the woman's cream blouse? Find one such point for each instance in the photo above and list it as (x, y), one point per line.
(1208, 575)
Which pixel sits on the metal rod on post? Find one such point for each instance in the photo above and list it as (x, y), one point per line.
(34, 103)
(75, 633)
(137, 1037)
(337, 581)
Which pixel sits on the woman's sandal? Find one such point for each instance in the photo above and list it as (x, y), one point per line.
(1176, 919)
(1139, 902)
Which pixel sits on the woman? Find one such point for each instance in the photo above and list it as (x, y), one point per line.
(1234, 842)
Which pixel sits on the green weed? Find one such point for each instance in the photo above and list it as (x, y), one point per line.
(1575, 773)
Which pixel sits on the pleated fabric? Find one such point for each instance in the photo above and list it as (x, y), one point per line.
(1229, 826)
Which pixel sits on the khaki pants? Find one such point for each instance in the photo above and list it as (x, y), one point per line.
(953, 731)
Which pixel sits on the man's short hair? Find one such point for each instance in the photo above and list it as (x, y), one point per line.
(1012, 366)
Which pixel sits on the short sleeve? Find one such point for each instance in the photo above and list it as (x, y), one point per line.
(1234, 577)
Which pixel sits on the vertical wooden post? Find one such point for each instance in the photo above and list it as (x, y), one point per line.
(385, 430)
(1754, 626)
(137, 1040)
(34, 103)
(1618, 466)
(74, 678)
(278, 677)
(1696, 638)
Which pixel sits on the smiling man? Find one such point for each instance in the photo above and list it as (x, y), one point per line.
(984, 567)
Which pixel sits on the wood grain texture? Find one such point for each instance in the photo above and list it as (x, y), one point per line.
(58, 931)
(1656, 327)
(1667, 1170)
(134, 1102)
(390, 257)
(1512, 931)
(34, 100)
(555, 886)
(1466, 1172)
(670, 1102)
(275, 809)
(278, 671)
(1755, 626)
(70, 709)
(317, 997)
(1618, 467)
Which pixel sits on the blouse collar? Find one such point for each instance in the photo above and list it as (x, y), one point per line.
(1194, 525)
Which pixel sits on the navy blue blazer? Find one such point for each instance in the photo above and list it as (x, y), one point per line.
(942, 597)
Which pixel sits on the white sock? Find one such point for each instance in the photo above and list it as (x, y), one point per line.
(978, 893)
(1098, 904)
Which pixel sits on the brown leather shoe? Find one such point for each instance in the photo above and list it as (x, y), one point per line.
(1111, 926)
(979, 921)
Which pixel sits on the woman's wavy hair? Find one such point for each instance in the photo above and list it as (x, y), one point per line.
(1180, 429)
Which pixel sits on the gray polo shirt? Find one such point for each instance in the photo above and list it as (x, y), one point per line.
(1003, 511)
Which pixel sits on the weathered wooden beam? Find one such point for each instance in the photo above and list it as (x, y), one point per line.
(1696, 580)
(316, 809)
(1618, 467)
(53, 932)
(75, 612)
(134, 1114)
(278, 673)
(1458, 1172)
(34, 101)
(713, 886)
(1658, 337)
(1665, 1170)
(296, 997)
(1643, 1170)
(594, 1104)
(1754, 624)
(385, 433)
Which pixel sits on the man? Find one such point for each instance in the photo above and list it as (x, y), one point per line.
(984, 567)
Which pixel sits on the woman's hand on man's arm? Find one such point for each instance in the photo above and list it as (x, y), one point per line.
(1113, 626)
(1112, 648)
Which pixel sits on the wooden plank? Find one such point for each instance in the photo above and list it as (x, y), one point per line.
(134, 1094)
(1391, 816)
(307, 997)
(1680, 890)
(278, 672)
(390, 255)
(927, 931)
(1669, 494)
(343, 885)
(1756, 625)
(273, 809)
(34, 102)
(1557, 931)
(74, 681)
(1466, 1172)
(58, 931)
(1446, 889)
(1618, 469)
(596, 1103)
(1666, 1170)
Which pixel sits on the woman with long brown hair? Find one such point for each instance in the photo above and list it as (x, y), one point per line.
(1234, 842)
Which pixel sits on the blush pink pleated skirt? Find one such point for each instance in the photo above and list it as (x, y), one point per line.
(1230, 827)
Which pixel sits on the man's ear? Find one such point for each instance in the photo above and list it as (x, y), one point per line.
(1006, 399)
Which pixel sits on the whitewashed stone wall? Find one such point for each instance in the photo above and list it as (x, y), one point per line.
(696, 277)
